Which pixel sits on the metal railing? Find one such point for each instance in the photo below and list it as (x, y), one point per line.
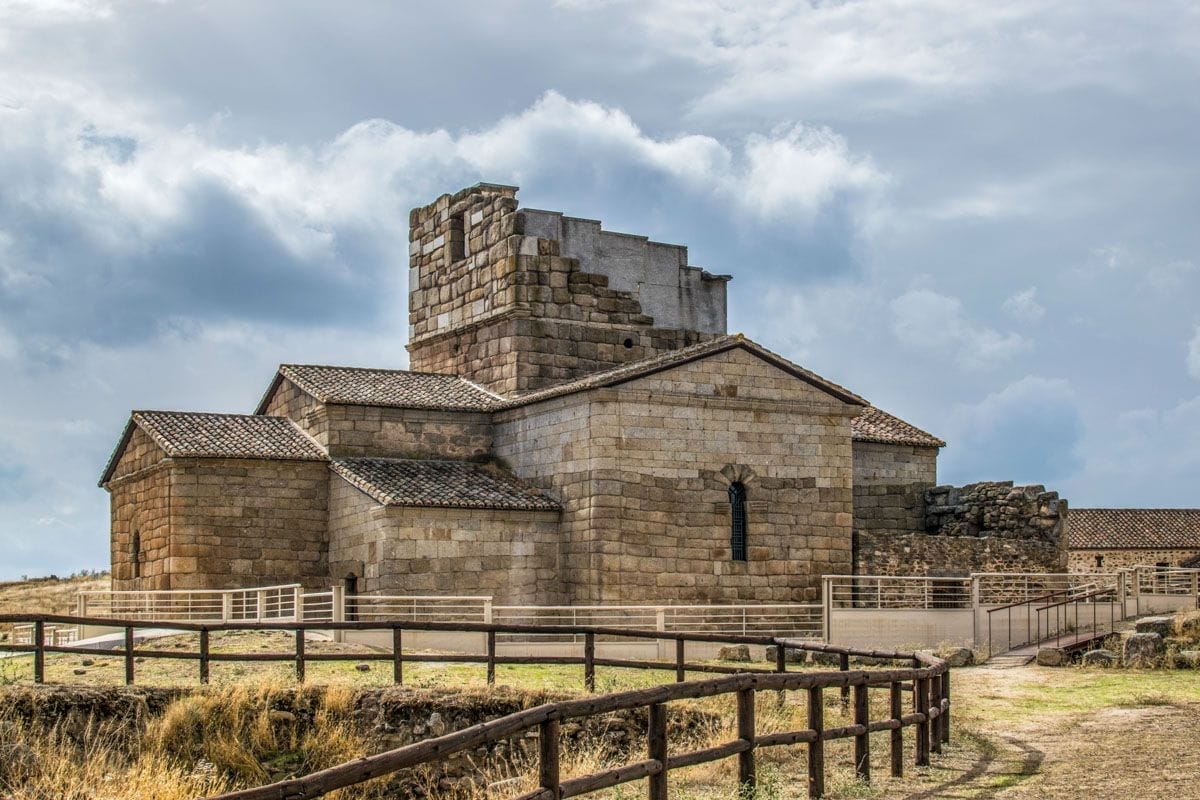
(897, 592)
(802, 621)
(1004, 588)
(256, 603)
(1062, 616)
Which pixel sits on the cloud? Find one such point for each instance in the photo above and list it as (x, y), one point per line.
(1193, 355)
(1028, 432)
(898, 55)
(1023, 306)
(171, 224)
(926, 320)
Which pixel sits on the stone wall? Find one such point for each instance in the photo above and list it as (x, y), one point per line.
(656, 274)
(140, 504)
(242, 522)
(1113, 559)
(289, 400)
(890, 481)
(643, 471)
(512, 556)
(980, 527)
(506, 310)
(406, 433)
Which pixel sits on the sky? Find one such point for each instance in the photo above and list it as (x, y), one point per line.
(983, 217)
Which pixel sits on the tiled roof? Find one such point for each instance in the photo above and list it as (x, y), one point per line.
(388, 387)
(448, 484)
(874, 425)
(1133, 528)
(189, 434)
(674, 358)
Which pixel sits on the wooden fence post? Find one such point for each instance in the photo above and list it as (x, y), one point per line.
(921, 706)
(548, 757)
(862, 741)
(816, 748)
(128, 655)
(656, 741)
(397, 656)
(844, 666)
(299, 655)
(679, 677)
(589, 662)
(745, 730)
(935, 698)
(897, 712)
(945, 718)
(39, 652)
(204, 655)
(491, 658)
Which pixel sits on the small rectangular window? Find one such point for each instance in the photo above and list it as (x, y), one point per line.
(738, 526)
(456, 238)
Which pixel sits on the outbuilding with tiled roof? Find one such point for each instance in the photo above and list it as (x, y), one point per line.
(1105, 539)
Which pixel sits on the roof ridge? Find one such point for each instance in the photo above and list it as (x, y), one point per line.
(672, 358)
(374, 369)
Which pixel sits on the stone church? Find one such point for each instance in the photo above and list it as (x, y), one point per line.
(576, 427)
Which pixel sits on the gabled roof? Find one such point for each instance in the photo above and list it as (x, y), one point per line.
(188, 434)
(685, 355)
(1133, 528)
(446, 484)
(396, 388)
(875, 425)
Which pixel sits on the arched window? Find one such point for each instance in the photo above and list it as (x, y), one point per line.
(135, 553)
(738, 526)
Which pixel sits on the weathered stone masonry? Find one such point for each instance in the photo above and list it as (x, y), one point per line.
(509, 311)
(981, 527)
(570, 429)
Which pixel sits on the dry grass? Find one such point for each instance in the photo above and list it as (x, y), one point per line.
(46, 595)
(1018, 733)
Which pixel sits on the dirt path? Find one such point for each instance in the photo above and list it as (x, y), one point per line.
(1116, 752)
(1144, 746)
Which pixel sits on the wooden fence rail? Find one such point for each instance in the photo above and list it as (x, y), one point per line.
(927, 679)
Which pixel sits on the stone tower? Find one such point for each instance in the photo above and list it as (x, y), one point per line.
(519, 300)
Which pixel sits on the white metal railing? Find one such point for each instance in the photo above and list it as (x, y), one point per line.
(1003, 588)
(794, 620)
(195, 605)
(54, 635)
(317, 606)
(1165, 580)
(889, 591)
(418, 608)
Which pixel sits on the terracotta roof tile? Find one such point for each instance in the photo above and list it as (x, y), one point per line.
(1133, 528)
(389, 387)
(185, 434)
(875, 425)
(447, 484)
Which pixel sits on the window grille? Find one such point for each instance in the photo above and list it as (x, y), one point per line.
(738, 527)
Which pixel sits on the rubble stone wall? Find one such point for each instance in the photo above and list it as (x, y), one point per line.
(981, 527)
(1113, 559)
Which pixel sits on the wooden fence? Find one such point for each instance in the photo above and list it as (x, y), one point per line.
(927, 679)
